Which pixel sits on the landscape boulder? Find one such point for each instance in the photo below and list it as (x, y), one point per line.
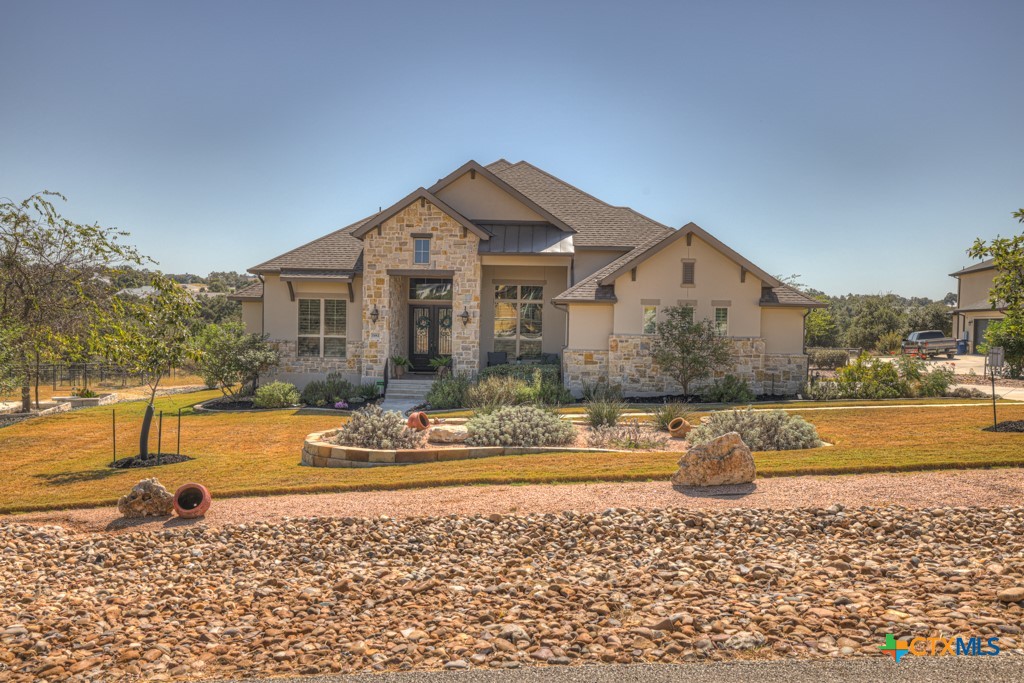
(723, 460)
(447, 434)
(148, 498)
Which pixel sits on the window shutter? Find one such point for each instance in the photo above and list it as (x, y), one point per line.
(688, 272)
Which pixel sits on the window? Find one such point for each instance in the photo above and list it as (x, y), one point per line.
(689, 273)
(322, 325)
(518, 319)
(650, 319)
(426, 289)
(722, 321)
(421, 250)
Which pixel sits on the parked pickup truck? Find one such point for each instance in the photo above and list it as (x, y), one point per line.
(929, 343)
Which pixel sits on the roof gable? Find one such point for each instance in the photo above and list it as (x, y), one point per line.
(426, 195)
(473, 168)
(639, 256)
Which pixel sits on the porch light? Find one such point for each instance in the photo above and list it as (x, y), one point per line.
(374, 314)
(465, 316)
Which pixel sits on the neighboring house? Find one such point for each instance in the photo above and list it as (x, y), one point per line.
(974, 311)
(507, 258)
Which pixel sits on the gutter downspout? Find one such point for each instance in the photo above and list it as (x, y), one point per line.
(565, 344)
(807, 370)
(263, 305)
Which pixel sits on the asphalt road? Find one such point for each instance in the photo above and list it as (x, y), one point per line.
(960, 669)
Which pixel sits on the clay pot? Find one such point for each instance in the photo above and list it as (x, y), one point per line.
(191, 501)
(679, 427)
(418, 421)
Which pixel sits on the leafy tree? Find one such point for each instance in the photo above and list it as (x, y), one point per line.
(217, 310)
(232, 360)
(54, 277)
(10, 377)
(950, 299)
(932, 316)
(147, 336)
(1007, 293)
(875, 316)
(689, 351)
(821, 328)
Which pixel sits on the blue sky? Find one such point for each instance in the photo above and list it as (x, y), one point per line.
(862, 145)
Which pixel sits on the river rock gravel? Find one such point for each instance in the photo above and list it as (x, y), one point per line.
(338, 595)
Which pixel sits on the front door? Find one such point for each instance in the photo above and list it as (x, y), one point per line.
(430, 334)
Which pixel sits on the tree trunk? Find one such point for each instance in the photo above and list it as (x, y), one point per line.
(144, 437)
(26, 397)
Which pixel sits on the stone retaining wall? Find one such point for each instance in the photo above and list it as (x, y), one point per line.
(318, 451)
(629, 363)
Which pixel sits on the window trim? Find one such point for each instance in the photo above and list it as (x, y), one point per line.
(416, 243)
(321, 335)
(518, 302)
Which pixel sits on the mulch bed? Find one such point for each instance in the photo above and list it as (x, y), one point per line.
(986, 380)
(1008, 426)
(240, 404)
(135, 461)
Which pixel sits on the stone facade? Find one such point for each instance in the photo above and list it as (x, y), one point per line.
(629, 363)
(390, 247)
(292, 364)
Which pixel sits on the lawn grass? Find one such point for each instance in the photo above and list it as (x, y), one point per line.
(61, 461)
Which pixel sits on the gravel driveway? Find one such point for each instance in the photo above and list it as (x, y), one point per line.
(919, 489)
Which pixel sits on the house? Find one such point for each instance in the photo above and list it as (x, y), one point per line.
(508, 259)
(974, 311)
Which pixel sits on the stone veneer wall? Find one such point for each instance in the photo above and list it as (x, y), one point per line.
(629, 363)
(452, 248)
(291, 363)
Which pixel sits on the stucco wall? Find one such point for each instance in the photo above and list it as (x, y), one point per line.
(480, 199)
(783, 329)
(552, 278)
(717, 283)
(252, 316)
(590, 325)
(589, 261)
(975, 288)
(452, 248)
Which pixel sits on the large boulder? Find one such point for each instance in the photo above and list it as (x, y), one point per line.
(447, 434)
(724, 460)
(148, 498)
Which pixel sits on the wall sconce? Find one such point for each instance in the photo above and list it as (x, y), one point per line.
(465, 316)
(374, 314)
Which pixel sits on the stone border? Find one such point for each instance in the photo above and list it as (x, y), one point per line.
(317, 451)
(92, 402)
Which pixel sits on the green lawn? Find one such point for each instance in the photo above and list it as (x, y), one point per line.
(61, 461)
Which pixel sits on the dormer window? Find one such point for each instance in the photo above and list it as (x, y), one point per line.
(421, 250)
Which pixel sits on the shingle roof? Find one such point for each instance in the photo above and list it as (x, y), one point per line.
(597, 223)
(338, 250)
(786, 295)
(988, 264)
(590, 287)
(248, 293)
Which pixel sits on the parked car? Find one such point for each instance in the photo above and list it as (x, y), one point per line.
(929, 343)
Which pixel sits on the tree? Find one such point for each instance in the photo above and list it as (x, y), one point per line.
(10, 377)
(820, 328)
(933, 316)
(218, 309)
(876, 315)
(232, 360)
(147, 336)
(689, 351)
(54, 277)
(1007, 254)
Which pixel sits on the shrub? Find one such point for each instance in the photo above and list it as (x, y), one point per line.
(729, 389)
(448, 392)
(519, 426)
(552, 394)
(604, 413)
(315, 394)
(326, 393)
(761, 430)
(868, 377)
(966, 392)
(367, 391)
(664, 414)
(828, 359)
(823, 390)
(889, 343)
(227, 356)
(492, 393)
(276, 395)
(632, 434)
(601, 391)
(373, 428)
(548, 373)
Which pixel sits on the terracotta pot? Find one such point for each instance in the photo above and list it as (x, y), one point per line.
(418, 421)
(679, 427)
(191, 501)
